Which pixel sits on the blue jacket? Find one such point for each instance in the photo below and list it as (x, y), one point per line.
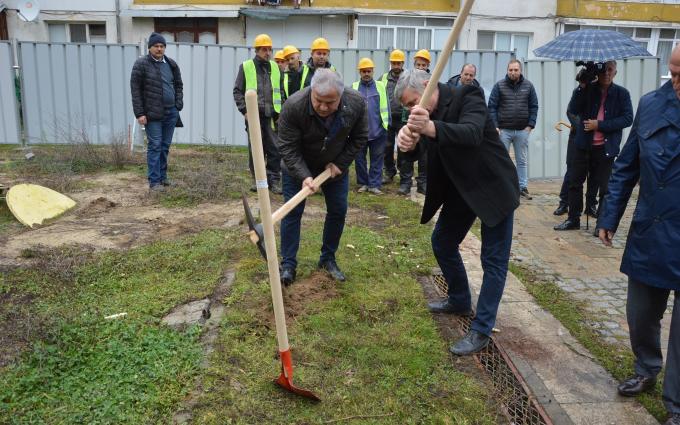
(652, 157)
(618, 114)
(375, 126)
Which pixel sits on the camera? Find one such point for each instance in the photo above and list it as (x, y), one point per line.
(589, 71)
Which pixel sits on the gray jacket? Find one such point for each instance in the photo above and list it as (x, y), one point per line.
(264, 88)
(307, 146)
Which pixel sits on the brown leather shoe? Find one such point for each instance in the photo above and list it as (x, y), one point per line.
(635, 385)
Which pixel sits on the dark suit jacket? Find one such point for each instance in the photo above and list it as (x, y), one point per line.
(468, 156)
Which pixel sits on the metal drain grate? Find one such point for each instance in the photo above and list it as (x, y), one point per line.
(517, 402)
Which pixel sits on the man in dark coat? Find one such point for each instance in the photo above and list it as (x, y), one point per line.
(471, 175)
(157, 98)
(321, 126)
(651, 157)
(467, 76)
(604, 109)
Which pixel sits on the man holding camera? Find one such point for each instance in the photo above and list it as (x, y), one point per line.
(605, 110)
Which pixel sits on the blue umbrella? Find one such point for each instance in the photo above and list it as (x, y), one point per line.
(591, 46)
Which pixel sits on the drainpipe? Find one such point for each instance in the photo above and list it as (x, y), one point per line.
(118, 37)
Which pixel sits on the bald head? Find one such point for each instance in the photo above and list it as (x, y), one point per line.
(674, 68)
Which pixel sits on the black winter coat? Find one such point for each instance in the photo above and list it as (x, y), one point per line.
(468, 155)
(513, 105)
(146, 85)
(306, 146)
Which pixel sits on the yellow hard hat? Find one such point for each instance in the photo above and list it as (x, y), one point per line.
(365, 63)
(263, 40)
(320, 44)
(397, 56)
(280, 56)
(289, 50)
(423, 54)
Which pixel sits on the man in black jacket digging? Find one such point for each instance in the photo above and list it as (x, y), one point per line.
(321, 126)
(156, 86)
(470, 175)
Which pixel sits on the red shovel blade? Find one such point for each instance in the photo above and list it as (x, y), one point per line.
(285, 380)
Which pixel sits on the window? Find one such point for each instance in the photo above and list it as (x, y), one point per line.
(668, 39)
(402, 32)
(76, 32)
(489, 40)
(187, 30)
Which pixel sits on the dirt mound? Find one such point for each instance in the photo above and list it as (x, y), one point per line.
(300, 295)
(98, 206)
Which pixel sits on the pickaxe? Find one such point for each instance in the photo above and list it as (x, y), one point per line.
(256, 232)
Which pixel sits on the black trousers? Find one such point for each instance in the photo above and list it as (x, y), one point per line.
(591, 184)
(406, 169)
(271, 151)
(645, 309)
(587, 162)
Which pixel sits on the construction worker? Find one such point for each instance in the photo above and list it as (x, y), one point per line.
(378, 111)
(321, 51)
(422, 60)
(397, 59)
(263, 75)
(292, 77)
(281, 61)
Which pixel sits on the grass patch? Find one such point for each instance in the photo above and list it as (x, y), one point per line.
(84, 369)
(370, 348)
(574, 315)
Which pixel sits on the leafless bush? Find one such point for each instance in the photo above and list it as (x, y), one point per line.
(60, 263)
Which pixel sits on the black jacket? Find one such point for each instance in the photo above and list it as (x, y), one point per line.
(618, 114)
(310, 73)
(306, 146)
(265, 100)
(513, 105)
(468, 156)
(146, 85)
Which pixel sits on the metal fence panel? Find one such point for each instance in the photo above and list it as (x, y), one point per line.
(554, 83)
(9, 109)
(76, 91)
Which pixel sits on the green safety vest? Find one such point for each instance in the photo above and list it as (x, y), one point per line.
(251, 81)
(382, 92)
(384, 78)
(305, 71)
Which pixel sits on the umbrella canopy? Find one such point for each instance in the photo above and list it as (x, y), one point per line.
(591, 45)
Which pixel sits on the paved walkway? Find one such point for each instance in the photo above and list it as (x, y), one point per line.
(578, 262)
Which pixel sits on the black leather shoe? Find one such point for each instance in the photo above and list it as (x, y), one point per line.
(636, 385)
(332, 268)
(253, 188)
(591, 210)
(568, 224)
(422, 188)
(166, 183)
(470, 343)
(287, 276)
(524, 193)
(444, 306)
(404, 189)
(673, 420)
(562, 209)
(387, 178)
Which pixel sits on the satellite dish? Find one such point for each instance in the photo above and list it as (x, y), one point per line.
(29, 10)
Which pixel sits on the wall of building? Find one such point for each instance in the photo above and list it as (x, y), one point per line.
(397, 5)
(621, 10)
(38, 29)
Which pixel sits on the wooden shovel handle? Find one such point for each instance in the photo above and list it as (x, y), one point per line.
(300, 196)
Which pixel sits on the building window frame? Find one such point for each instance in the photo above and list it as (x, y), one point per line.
(394, 23)
(196, 27)
(514, 35)
(69, 27)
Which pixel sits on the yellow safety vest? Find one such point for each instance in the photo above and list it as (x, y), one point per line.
(305, 71)
(384, 78)
(382, 92)
(275, 76)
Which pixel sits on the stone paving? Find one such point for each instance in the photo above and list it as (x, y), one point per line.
(576, 260)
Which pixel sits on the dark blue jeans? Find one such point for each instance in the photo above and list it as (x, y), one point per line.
(372, 177)
(454, 221)
(335, 194)
(159, 136)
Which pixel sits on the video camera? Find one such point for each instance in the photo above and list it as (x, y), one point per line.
(589, 71)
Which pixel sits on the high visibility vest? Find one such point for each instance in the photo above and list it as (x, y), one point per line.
(275, 76)
(305, 72)
(382, 92)
(383, 79)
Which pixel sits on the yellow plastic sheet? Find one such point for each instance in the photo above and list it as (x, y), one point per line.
(32, 204)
